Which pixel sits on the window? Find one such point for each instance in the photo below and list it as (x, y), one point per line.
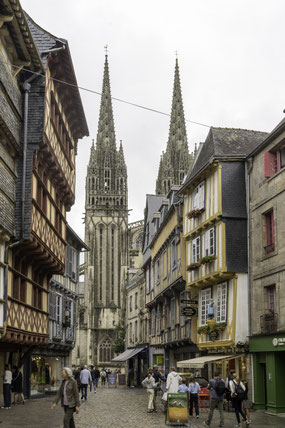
(221, 311)
(136, 331)
(152, 278)
(58, 310)
(196, 249)
(158, 320)
(172, 311)
(205, 297)
(273, 162)
(270, 239)
(147, 234)
(71, 263)
(105, 351)
(107, 179)
(199, 197)
(101, 263)
(271, 298)
(210, 247)
(131, 303)
(173, 254)
(112, 263)
(153, 322)
(147, 279)
(136, 301)
(158, 271)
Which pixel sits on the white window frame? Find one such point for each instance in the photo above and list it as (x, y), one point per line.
(210, 242)
(205, 298)
(196, 249)
(58, 309)
(221, 302)
(199, 197)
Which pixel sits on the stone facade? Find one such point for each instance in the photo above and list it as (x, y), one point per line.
(176, 161)
(106, 234)
(266, 183)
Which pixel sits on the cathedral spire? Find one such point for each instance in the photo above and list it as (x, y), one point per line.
(176, 160)
(106, 130)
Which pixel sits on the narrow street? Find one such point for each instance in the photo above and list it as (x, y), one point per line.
(108, 408)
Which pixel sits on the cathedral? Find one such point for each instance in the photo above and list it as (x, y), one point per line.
(106, 226)
(107, 232)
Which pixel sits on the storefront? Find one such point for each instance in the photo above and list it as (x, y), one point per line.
(136, 364)
(268, 355)
(45, 374)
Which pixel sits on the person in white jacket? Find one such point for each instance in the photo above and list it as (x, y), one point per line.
(173, 381)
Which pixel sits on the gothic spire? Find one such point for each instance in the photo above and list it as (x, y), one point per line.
(106, 130)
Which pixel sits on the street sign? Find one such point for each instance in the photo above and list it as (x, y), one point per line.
(188, 311)
(190, 302)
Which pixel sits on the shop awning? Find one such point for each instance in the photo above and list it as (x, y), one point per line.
(127, 354)
(199, 363)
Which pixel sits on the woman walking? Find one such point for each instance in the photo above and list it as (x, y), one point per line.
(149, 384)
(246, 403)
(17, 384)
(194, 389)
(69, 396)
(237, 393)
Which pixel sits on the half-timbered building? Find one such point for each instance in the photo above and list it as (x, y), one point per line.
(215, 230)
(54, 121)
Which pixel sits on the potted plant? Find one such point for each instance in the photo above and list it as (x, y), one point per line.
(207, 260)
(195, 213)
(212, 327)
(193, 266)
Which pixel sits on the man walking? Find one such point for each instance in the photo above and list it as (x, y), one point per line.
(217, 389)
(7, 387)
(95, 374)
(85, 378)
(157, 377)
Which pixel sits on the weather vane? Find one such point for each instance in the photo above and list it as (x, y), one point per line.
(106, 49)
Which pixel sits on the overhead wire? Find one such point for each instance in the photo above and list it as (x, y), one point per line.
(92, 91)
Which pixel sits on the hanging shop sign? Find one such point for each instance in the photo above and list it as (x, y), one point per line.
(213, 335)
(188, 311)
(189, 301)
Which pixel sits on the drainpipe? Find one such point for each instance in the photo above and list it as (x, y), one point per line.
(249, 169)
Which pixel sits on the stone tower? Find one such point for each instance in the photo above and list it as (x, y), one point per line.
(106, 228)
(176, 160)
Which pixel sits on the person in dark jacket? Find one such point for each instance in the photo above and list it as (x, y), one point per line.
(216, 400)
(69, 396)
(17, 384)
(158, 378)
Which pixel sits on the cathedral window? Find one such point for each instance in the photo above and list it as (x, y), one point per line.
(181, 177)
(112, 263)
(105, 351)
(101, 263)
(107, 179)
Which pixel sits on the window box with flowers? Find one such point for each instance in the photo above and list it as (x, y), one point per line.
(207, 260)
(193, 266)
(210, 328)
(195, 213)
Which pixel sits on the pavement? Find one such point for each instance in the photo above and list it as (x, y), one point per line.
(114, 408)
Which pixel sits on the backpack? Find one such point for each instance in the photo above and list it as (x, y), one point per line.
(239, 391)
(220, 387)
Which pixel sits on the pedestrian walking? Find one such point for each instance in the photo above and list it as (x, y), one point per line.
(246, 404)
(7, 381)
(217, 389)
(194, 389)
(238, 394)
(85, 378)
(157, 377)
(149, 384)
(95, 374)
(91, 383)
(103, 377)
(172, 382)
(69, 396)
(76, 375)
(17, 385)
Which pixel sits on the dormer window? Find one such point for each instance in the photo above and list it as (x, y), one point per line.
(199, 197)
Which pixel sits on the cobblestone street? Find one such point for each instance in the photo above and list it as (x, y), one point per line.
(118, 408)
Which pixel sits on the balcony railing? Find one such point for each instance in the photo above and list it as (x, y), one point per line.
(269, 322)
(57, 331)
(69, 334)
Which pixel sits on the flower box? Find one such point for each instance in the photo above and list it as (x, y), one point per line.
(207, 259)
(193, 266)
(210, 328)
(195, 213)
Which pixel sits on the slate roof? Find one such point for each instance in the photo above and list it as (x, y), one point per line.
(273, 134)
(153, 203)
(226, 142)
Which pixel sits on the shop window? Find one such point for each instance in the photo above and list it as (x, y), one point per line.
(205, 298)
(221, 310)
(196, 249)
(270, 238)
(210, 244)
(199, 197)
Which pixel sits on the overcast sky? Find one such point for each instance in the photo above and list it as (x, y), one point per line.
(232, 69)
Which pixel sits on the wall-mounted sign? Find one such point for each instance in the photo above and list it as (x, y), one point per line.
(213, 335)
(278, 341)
(188, 311)
(189, 301)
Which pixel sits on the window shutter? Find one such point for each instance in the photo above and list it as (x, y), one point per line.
(74, 313)
(269, 164)
(63, 304)
(52, 305)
